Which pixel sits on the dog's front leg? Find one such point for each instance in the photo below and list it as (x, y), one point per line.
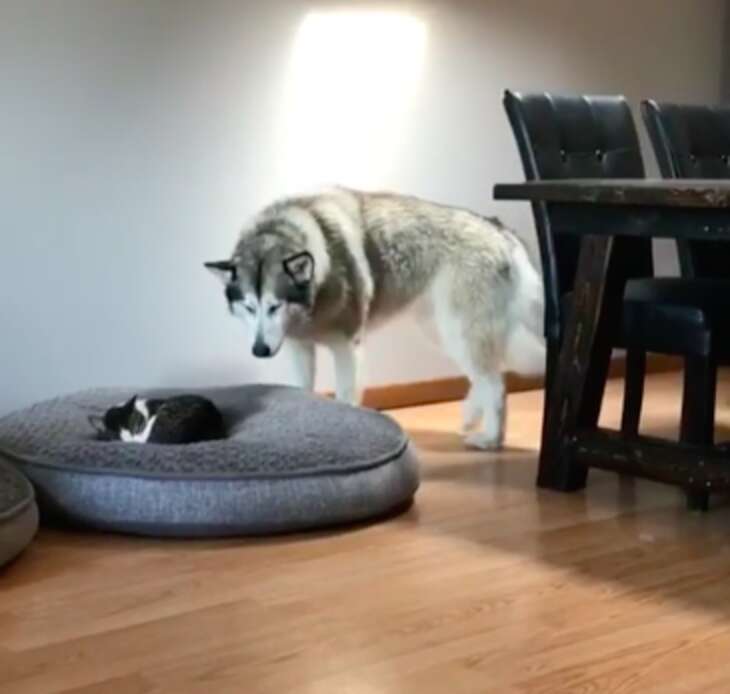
(347, 356)
(303, 357)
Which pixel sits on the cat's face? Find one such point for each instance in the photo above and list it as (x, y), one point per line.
(129, 421)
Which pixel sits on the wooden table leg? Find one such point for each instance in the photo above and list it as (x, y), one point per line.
(577, 388)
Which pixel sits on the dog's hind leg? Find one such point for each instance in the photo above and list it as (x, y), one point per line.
(304, 361)
(489, 392)
(348, 357)
(472, 411)
(472, 331)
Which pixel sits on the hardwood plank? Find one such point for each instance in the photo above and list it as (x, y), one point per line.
(132, 684)
(485, 585)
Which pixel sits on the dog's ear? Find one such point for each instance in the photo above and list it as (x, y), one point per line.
(225, 270)
(300, 267)
(98, 423)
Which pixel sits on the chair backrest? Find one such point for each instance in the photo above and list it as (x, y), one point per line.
(692, 141)
(573, 137)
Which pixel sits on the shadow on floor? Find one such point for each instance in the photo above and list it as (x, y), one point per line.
(634, 535)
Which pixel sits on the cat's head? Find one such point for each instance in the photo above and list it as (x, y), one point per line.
(122, 420)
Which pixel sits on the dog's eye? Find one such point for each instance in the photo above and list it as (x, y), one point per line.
(233, 293)
(250, 309)
(274, 308)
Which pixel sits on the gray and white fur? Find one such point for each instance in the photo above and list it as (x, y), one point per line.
(323, 268)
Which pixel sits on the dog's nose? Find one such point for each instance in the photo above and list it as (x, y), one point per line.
(261, 349)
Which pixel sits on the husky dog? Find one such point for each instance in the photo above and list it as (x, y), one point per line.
(323, 268)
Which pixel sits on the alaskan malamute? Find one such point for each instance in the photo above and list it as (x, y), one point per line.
(322, 268)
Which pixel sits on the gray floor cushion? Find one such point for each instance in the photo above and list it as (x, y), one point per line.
(18, 513)
(292, 461)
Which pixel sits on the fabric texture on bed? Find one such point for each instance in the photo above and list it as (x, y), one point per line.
(18, 513)
(291, 461)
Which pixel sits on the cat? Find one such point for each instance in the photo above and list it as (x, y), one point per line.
(174, 420)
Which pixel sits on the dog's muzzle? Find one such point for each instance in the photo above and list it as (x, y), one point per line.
(261, 349)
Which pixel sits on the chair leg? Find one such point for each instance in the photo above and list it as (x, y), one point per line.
(633, 391)
(698, 413)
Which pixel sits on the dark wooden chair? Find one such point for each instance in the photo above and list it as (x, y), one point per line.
(595, 137)
(692, 141)
(578, 137)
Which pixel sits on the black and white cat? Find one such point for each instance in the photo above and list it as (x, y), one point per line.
(178, 419)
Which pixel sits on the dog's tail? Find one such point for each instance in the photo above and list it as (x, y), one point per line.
(525, 346)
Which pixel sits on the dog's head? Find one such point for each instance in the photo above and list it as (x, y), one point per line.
(270, 286)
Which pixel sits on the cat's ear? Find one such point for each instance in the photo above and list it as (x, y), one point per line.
(131, 402)
(224, 270)
(300, 267)
(98, 423)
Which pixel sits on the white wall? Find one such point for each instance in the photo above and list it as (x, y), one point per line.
(136, 136)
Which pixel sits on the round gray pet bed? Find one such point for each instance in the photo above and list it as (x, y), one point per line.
(292, 461)
(18, 513)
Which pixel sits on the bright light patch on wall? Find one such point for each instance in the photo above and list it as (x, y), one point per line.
(351, 81)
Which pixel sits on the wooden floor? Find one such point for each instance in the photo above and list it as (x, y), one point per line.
(484, 585)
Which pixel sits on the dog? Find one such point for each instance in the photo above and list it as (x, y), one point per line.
(321, 269)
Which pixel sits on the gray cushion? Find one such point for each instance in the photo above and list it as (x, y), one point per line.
(18, 513)
(292, 461)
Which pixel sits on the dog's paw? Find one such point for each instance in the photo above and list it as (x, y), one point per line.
(483, 441)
